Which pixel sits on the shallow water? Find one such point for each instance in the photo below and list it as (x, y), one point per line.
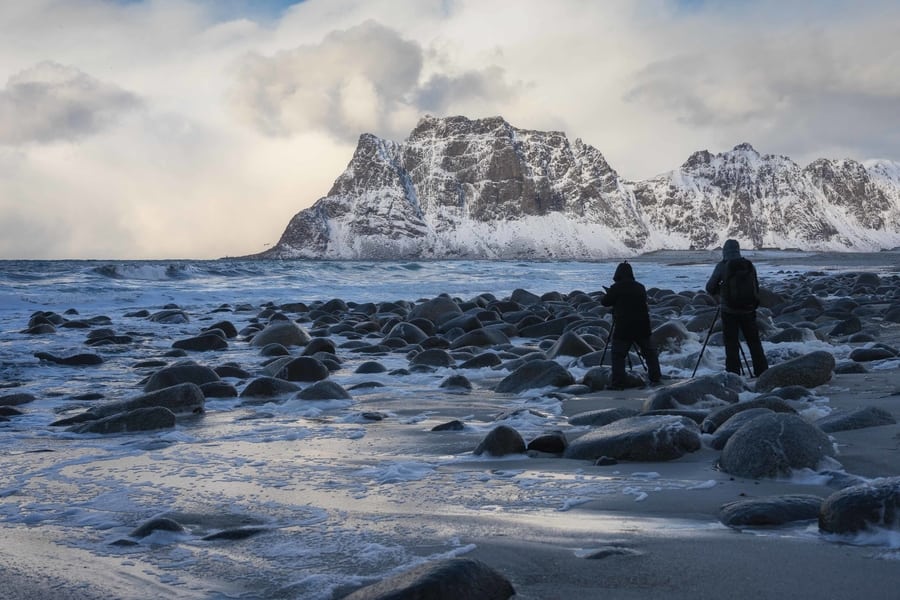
(342, 498)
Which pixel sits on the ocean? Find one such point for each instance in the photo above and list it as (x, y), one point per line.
(330, 497)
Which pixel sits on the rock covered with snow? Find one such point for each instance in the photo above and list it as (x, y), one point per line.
(481, 188)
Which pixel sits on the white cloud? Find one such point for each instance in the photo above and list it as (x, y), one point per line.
(50, 102)
(354, 81)
(156, 129)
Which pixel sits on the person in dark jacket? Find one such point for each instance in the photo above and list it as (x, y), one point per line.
(631, 325)
(737, 320)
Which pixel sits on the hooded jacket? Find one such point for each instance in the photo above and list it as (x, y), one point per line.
(628, 299)
(730, 250)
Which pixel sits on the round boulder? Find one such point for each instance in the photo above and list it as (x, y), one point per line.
(862, 507)
(770, 511)
(646, 439)
(535, 374)
(774, 445)
(500, 441)
(810, 370)
(708, 391)
(324, 390)
(286, 333)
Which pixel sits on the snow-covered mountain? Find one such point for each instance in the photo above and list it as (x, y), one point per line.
(463, 188)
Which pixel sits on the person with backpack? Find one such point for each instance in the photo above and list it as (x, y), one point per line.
(734, 281)
(631, 326)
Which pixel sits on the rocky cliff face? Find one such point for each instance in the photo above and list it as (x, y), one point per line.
(461, 188)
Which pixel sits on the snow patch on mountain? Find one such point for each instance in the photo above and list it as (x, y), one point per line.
(463, 188)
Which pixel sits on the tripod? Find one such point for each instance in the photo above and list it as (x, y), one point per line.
(706, 341)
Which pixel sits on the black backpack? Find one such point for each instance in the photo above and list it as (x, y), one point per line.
(739, 285)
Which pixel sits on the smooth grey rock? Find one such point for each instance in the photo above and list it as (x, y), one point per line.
(773, 446)
(286, 333)
(670, 336)
(602, 416)
(139, 419)
(433, 357)
(202, 343)
(324, 390)
(553, 442)
(570, 344)
(16, 399)
(181, 399)
(75, 360)
(707, 392)
(810, 370)
(862, 507)
(718, 417)
(181, 372)
(303, 368)
(535, 374)
(858, 418)
(647, 439)
(446, 579)
(724, 432)
(770, 511)
(156, 524)
(268, 387)
(500, 441)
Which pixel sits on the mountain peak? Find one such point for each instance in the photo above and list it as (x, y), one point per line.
(482, 188)
(745, 147)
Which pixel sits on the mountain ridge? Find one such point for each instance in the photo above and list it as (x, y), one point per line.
(481, 188)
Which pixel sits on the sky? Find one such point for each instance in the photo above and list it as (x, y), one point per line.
(164, 129)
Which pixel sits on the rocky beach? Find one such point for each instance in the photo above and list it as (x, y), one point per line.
(346, 447)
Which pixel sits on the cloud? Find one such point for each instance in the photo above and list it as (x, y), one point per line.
(803, 88)
(366, 78)
(51, 102)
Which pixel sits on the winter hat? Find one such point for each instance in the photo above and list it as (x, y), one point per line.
(623, 272)
(731, 249)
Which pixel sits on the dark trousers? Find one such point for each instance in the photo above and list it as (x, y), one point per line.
(734, 324)
(620, 348)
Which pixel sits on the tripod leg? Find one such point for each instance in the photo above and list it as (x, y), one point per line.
(746, 362)
(608, 342)
(706, 341)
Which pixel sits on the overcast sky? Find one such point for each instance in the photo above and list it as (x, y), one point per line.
(198, 128)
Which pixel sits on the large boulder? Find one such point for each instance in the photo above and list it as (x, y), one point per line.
(182, 372)
(75, 360)
(670, 336)
(774, 445)
(484, 337)
(570, 344)
(535, 374)
(181, 399)
(700, 392)
(16, 399)
(303, 368)
(447, 579)
(324, 390)
(202, 343)
(500, 441)
(602, 416)
(810, 370)
(436, 310)
(408, 332)
(770, 511)
(268, 387)
(139, 419)
(724, 432)
(286, 333)
(862, 507)
(859, 418)
(718, 417)
(641, 438)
